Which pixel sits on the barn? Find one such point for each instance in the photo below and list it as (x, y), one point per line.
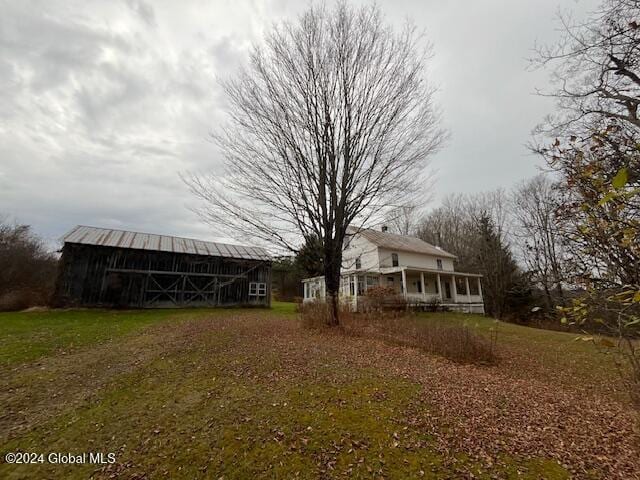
(102, 267)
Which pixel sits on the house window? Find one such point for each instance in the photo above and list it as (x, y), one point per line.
(358, 263)
(344, 286)
(389, 279)
(439, 263)
(418, 286)
(314, 289)
(372, 281)
(257, 289)
(394, 260)
(361, 284)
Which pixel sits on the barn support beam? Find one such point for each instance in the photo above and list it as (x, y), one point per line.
(105, 276)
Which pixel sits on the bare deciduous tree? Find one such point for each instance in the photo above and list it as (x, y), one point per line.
(448, 227)
(476, 229)
(332, 120)
(404, 219)
(27, 268)
(597, 156)
(595, 67)
(535, 203)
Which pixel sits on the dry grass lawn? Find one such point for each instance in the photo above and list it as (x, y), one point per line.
(251, 394)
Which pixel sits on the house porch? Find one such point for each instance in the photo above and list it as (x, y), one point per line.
(422, 288)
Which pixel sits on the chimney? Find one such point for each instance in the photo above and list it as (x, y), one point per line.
(385, 228)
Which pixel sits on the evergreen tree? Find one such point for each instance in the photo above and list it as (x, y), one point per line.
(310, 258)
(494, 260)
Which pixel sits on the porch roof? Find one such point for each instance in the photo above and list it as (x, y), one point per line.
(311, 279)
(388, 270)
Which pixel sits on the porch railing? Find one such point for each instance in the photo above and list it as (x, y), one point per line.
(432, 297)
(419, 297)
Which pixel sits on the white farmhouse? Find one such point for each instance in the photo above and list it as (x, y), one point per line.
(421, 272)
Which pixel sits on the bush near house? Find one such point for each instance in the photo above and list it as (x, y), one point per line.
(454, 341)
(379, 298)
(384, 316)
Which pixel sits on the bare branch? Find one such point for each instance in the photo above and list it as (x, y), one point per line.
(330, 124)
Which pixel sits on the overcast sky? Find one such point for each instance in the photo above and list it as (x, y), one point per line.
(102, 104)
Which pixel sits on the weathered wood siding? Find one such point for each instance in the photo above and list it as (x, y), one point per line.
(120, 277)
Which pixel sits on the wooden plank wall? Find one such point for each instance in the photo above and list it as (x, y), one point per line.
(118, 277)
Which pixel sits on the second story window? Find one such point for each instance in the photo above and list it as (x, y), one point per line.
(358, 263)
(394, 260)
(439, 263)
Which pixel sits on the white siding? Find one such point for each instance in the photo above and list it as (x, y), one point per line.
(314, 288)
(372, 258)
(418, 260)
(367, 251)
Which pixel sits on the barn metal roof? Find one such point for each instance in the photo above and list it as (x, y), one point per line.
(402, 243)
(108, 237)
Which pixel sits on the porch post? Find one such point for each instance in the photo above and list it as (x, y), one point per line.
(424, 290)
(439, 287)
(455, 290)
(466, 283)
(480, 289)
(404, 283)
(355, 293)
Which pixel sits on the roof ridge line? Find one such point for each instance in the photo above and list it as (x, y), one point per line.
(160, 235)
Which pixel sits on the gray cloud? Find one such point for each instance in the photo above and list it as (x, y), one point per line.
(144, 11)
(102, 104)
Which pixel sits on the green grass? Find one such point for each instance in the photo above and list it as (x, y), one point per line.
(222, 393)
(27, 336)
(283, 308)
(559, 354)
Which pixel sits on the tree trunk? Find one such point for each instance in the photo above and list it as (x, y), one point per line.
(547, 296)
(560, 293)
(332, 283)
(332, 264)
(333, 317)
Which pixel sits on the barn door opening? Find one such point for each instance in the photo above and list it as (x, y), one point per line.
(121, 289)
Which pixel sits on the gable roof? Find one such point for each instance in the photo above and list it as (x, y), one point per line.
(108, 237)
(402, 243)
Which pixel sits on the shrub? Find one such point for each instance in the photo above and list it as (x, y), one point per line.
(612, 317)
(381, 298)
(19, 300)
(315, 314)
(27, 269)
(456, 342)
(453, 341)
(433, 305)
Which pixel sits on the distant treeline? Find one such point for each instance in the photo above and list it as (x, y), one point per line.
(27, 269)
